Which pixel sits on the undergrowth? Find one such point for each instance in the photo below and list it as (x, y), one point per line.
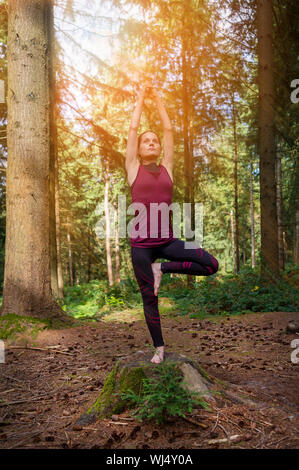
(163, 396)
(227, 294)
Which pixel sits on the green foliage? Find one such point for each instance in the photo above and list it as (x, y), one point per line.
(87, 300)
(212, 295)
(84, 300)
(163, 396)
(234, 294)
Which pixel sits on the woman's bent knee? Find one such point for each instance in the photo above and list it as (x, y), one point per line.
(215, 265)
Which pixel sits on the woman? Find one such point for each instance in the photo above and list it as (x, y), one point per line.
(151, 183)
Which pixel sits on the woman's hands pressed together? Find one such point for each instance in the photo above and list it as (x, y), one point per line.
(148, 90)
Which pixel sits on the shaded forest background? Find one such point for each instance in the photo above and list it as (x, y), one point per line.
(203, 58)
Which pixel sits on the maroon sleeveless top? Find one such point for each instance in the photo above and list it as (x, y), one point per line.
(152, 187)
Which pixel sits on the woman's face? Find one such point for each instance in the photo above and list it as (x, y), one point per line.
(149, 148)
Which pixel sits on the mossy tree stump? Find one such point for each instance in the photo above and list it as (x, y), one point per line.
(128, 373)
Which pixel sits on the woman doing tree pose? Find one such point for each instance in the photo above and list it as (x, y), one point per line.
(151, 185)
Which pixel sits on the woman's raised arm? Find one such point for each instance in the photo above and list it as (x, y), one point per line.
(168, 143)
(132, 144)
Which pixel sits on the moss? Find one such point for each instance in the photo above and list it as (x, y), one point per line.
(62, 323)
(204, 373)
(129, 380)
(220, 382)
(11, 324)
(105, 400)
(210, 378)
(109, 401)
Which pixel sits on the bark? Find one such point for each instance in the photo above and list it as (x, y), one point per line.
(68, 236)
(79, 264)
(233, 241)
(117, 260)
(252, 227)
(279, 210)
(285, 247)
(187, 165)
(187, 175)
(52, 121)
(107, 220)
(88, 261)
(236, 186)
(191, 170)
(269, 230)
(296, 238)
(58, 243)
(27, 277)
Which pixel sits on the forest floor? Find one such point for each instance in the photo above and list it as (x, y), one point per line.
(44, 391)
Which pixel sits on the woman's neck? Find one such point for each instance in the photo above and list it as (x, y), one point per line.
(149, 163)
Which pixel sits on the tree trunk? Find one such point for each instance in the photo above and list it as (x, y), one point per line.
(57, 215)
(285, 248)
(117, 260)
(78, 273)
(269, 231)
(296, 238)
(107, 219)
(27, 278)
(191, 170)
(279, 209)
(88, 261)
(191, 180)
(233, 240)
(187, 166)
(68, 236)
(252, 228)
(236, 186)
(53, 146)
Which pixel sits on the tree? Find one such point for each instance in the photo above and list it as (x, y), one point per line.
(27, 280)
(3, 123)
(266, 140)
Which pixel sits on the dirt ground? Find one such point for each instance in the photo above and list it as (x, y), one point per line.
(43, 392)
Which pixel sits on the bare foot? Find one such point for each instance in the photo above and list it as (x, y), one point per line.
(156, 267)
(159, 355)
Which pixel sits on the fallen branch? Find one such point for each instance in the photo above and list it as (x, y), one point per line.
(13, 378)
(215, 426)
(22, 401)
(118, 422)
(225, 439)
(40, 349)
(225, 431)
(35, 433)
(128, 419)
(192, 421)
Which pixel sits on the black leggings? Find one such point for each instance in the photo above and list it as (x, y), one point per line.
(195, 261)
